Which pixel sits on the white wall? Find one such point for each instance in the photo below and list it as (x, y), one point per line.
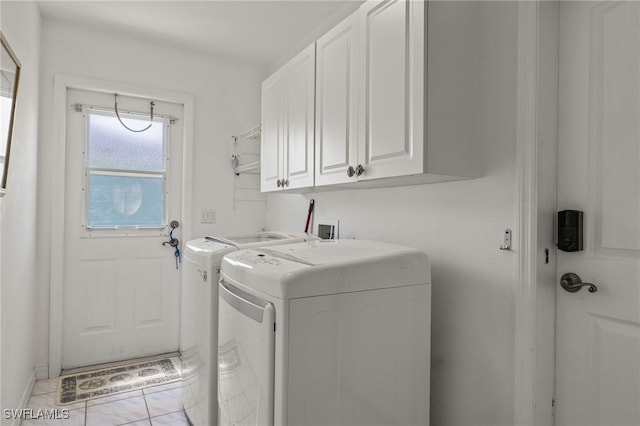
(459, 224)
(21, 27)
(227, 102)
(298, 45)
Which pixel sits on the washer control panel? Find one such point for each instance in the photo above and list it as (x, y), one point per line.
(254, 258)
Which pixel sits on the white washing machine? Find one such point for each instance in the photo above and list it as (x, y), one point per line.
(324, 333)
(199, 314)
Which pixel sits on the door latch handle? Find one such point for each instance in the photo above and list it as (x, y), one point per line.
(573, 283)
(173, 242)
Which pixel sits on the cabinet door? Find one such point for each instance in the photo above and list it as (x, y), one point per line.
(271, 155)
(392, 89)
(336, 139)
(299, 119)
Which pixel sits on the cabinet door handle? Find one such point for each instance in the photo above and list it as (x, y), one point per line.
(351, 171)
(279, 183)
(359, 169)
(285, 182)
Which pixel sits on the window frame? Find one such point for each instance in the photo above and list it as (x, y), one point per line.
(124, 230)
(3, 140)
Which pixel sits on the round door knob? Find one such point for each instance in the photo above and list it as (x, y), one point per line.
(279, 183)
(285, 182)
(359, 169)
(351, 171)
(573, 283)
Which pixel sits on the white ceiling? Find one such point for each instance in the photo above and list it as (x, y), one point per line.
(256, 31)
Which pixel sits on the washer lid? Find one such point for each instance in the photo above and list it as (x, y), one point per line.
(205, 252)
(208, 250)
(262, 238)
(326, 267)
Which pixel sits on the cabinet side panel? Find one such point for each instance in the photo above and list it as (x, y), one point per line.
(471, 90)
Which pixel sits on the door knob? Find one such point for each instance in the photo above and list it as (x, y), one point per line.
(173, 242)
(572, 283)
(359, 169)
(351, 171)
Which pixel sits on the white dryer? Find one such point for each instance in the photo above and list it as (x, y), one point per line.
(324, 333)
(199, 315)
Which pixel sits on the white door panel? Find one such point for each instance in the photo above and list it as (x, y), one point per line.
(121, 286)
(391, 88)
(336, 141)
(386, 90)
(598, 334)
(300, 113)
(272, 133)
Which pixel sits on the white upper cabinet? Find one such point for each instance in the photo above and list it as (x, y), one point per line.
(376, 124)
(370, 95)
(337, 102)
(288, 125)
(391, 95)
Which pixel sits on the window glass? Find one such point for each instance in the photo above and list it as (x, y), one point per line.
(125, 173)
(125, 201)
(111, 146)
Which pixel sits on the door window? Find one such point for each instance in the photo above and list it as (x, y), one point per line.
(125, 172)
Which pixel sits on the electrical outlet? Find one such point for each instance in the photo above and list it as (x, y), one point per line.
(208, 216)
(327, 228)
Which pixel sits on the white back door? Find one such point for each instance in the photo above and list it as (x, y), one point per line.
(122, 190)
(598, 334)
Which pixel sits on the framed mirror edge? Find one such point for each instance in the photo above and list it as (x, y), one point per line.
(5, 169)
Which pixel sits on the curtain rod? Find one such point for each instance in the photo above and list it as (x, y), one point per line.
(79, 107)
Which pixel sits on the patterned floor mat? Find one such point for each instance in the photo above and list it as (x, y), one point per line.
(110, 381)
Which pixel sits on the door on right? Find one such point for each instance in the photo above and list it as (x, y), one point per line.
(598, 333)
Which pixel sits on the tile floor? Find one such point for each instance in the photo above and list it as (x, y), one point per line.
(152, 406)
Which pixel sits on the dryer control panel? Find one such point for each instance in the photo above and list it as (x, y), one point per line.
(254, 258)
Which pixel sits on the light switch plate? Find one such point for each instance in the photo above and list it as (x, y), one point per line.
(208, 216)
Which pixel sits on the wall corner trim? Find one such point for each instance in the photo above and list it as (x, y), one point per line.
(527, 138)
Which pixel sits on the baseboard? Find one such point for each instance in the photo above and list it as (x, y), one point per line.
(24, 401)
(42, 373)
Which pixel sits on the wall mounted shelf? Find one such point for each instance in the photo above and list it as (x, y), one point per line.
(245, 150)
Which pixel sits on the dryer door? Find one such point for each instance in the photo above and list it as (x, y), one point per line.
(246, 348)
